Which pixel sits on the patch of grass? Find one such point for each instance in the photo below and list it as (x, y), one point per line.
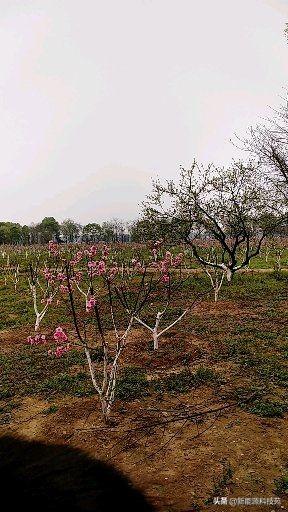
(266, 335)
(27, 370)
(8, 407)
(195, 507)
(268, 409)
(5, 412)
(269, 368)
(278, 275)
(284, 350)
(204, 375)
(132, 384)
(3, 359)
(5, 419)
(281, 485)
(242, 394)
(232, 348)
(51, 410)
(5, 392)
(76, 385)
(75, 357)
(97, 355)
(185, 380)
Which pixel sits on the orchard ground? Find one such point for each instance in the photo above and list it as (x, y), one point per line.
(230, 358)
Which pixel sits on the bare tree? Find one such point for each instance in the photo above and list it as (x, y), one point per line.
(268, 142)
(230, 206)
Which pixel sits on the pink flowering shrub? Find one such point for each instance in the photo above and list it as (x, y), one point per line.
(86, 282)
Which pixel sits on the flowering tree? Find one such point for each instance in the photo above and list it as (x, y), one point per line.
(90, 295)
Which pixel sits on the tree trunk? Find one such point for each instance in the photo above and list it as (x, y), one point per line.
(155, 339)
(229, 275)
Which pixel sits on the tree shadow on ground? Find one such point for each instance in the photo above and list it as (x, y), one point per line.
(46, 477)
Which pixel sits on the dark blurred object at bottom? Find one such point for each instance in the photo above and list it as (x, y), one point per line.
(44, 477)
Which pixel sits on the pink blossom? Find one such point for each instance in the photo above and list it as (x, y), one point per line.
(165, 278)
(78, 256)
(48, 275)
(78, 276)
(105, 252)
(168, 257)
(90, 304)
(38, 339)
(139, 267)
(60, 350)
(53, 247)
(178, 259)
(93, 250)
(59, 335)
(64, 289)
(164, 266)
(101, 268)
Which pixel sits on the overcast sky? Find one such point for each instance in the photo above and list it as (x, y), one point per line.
(99, 96)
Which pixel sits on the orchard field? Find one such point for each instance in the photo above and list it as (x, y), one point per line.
(125, 352)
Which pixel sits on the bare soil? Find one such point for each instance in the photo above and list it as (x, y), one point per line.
(179, 466)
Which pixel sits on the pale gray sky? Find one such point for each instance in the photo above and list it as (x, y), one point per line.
(98, 96)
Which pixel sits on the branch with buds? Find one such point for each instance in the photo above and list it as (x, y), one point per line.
(167, 279)
(44, 286)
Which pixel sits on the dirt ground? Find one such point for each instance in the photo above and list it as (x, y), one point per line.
(188, 468)
(180, 466)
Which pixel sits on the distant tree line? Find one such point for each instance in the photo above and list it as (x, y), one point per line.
(68, 231)
(143, 230)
